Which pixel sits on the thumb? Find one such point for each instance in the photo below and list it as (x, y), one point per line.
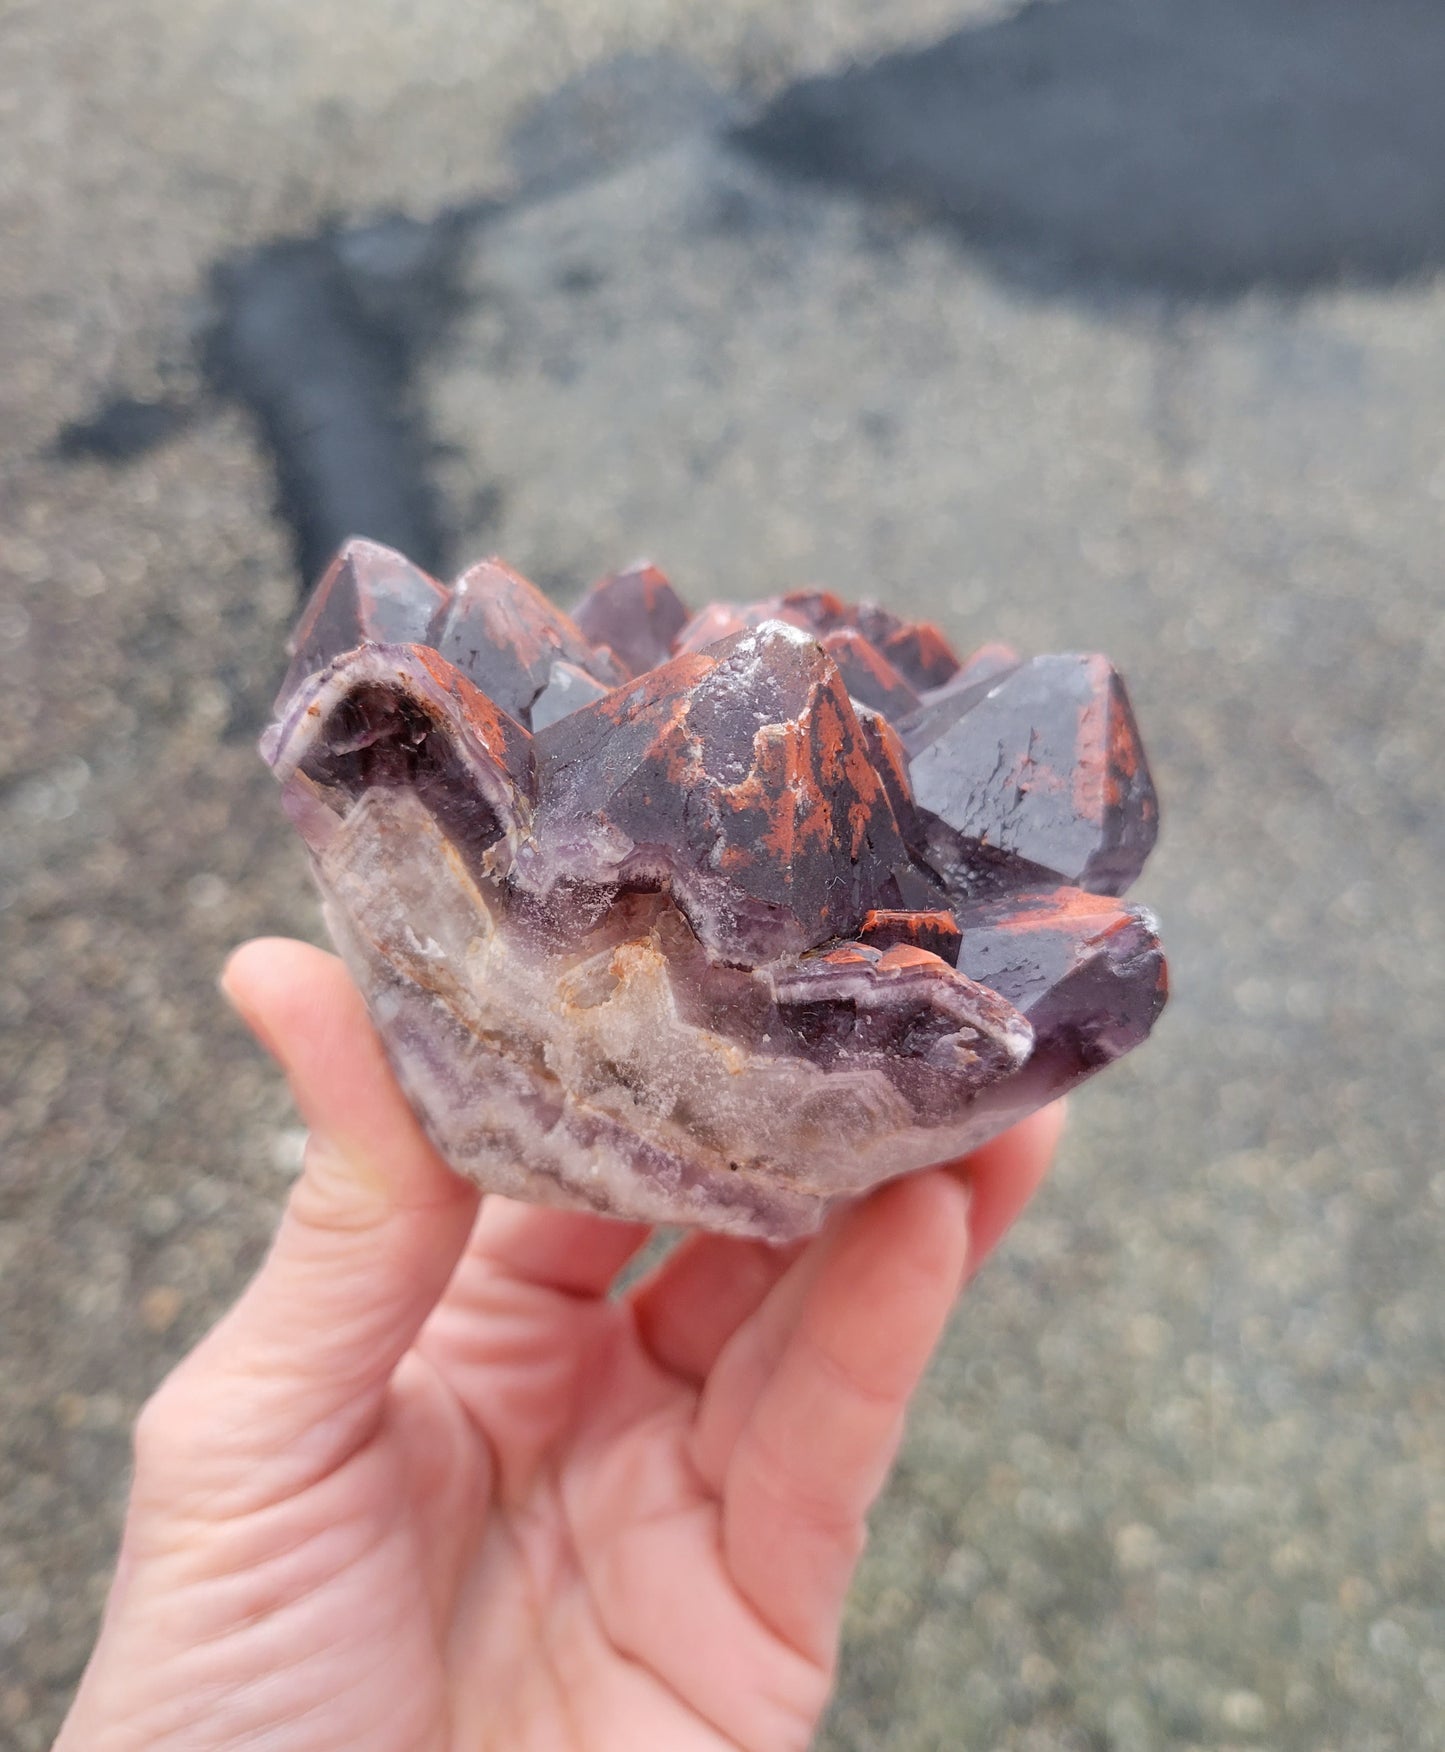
(297, 1372)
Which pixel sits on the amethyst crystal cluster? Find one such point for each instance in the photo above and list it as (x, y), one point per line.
(712, 919)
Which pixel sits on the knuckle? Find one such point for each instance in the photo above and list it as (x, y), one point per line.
(811, 1499)
(334, 1201)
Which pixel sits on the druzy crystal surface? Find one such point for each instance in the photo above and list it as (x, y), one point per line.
(712, 918)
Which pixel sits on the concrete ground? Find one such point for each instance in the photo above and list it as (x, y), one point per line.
(1176, 1478)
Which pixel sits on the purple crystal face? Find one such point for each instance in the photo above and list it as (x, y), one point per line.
(717, 919)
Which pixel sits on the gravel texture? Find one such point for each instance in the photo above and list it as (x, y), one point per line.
(1176, 1479)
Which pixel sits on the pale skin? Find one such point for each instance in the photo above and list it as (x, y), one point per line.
(429, 1488)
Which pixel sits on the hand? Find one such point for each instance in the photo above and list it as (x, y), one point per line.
(427, 1486)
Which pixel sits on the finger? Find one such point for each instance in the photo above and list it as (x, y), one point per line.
(1004, 1175)
(748, 1359)
(369, 1237)
(1000, 1178)
(541, 1253)
(688, 1309)
(577, 1253)
(817, 1447)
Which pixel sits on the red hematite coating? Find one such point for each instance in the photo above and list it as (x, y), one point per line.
(637, 614)
(501, 631)
(718, 918)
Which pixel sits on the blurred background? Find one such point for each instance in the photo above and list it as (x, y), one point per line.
(1109, 324)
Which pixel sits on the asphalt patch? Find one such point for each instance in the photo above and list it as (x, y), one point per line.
(317, 337)
(1203, 150)
(121, 429)
(1199, 151)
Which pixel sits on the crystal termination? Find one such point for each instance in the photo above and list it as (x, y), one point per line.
(712, 919)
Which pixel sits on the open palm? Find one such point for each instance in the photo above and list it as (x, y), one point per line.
(430, 1486)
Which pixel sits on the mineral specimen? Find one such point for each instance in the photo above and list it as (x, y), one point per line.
(712, 920)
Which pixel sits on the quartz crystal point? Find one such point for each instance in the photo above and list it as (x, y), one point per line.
(367, 595)
(1040, 761)
(719, 919)
(504, 635)
(637, 614)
